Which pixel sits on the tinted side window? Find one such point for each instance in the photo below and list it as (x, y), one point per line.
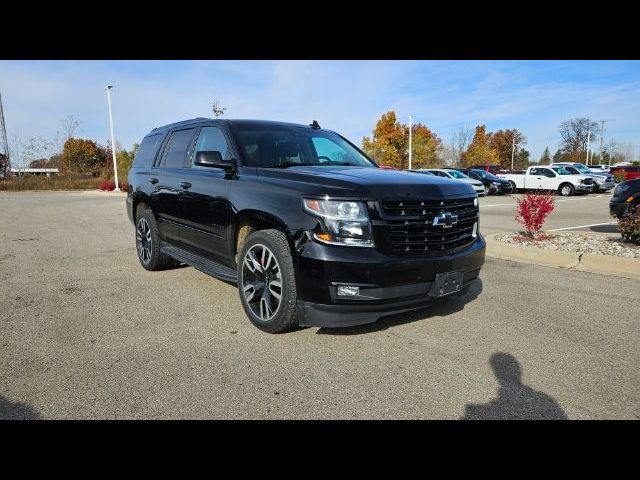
(147, 151)
(212, 139)
(175, 154)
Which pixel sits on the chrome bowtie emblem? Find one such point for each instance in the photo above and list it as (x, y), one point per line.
(446, 219)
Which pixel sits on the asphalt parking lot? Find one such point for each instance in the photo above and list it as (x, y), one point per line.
(85, 332)
(580, 213)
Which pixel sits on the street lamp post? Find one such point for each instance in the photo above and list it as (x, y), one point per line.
(410, 128)
(113, 138)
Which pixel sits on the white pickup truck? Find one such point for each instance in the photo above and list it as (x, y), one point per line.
(549, 178)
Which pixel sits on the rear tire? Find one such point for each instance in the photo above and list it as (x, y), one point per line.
(566, 190)
(267, 282)
(148, 241)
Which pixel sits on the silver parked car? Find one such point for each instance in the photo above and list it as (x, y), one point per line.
(455, 175)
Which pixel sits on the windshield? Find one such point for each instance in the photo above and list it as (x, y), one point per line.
(285, 146)
(562, 170)
(581, 168)
(457, 174)
(487, 175)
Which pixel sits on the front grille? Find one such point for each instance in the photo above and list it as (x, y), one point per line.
(409, 228)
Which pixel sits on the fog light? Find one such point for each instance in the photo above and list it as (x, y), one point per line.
(348, 291)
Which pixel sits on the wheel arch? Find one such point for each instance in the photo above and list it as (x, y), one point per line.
(249, 221)
(138, 200)
(573, 187)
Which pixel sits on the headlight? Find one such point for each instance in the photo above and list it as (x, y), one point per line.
(344, 222)
(495, 184)
(599, 180)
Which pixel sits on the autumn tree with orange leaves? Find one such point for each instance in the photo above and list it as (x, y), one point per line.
(480, 151)
(389, 144)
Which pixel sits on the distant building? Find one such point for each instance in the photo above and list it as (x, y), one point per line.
(35, 171)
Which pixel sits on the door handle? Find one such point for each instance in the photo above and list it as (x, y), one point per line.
(185, 185)
(153, 180)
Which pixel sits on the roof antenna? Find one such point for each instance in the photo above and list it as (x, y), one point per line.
(315, 125)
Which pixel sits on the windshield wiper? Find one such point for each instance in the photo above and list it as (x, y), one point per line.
(306, 164)
(289, 164)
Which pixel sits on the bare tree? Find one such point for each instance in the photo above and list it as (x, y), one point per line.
(218, 110)
(575, 134)
(69, 126)
(36, 148)
(460, 139)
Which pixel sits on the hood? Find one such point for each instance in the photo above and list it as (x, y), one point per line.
(471, 181)
(365, 182)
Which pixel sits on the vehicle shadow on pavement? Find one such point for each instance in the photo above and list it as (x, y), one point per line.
(604, 228)
(515, 401)
(442, 307)
(16, 411)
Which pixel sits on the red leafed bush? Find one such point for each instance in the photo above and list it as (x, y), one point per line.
(107, 185)
(629, 226)
(532, 211)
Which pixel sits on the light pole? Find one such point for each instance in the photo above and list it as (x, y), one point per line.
(113, 138)
(588, 142)
(513, 148)
(410, 128)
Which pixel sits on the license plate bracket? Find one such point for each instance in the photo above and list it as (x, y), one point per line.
(447, 283)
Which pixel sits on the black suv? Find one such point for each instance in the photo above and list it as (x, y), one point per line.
(625, 198)
(310, 229)
(492, 184)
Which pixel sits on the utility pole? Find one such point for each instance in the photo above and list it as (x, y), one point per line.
(513, 148)
(113, 138)
(5, 143)
(588, 143)
(602, 122)
(410, 129)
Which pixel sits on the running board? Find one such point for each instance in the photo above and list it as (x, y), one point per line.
(200, 263)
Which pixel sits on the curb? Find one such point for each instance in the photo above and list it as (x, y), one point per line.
(603, 264)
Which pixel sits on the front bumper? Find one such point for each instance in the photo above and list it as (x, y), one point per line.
(605, 186)
(387, 284)
(130, 209)
(618, 209)
(501, 189)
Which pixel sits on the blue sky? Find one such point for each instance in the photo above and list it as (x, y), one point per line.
(345, 96)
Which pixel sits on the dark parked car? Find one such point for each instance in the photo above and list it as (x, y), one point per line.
(310, 229)
(487, 168)
(625, 198)
(492, 184)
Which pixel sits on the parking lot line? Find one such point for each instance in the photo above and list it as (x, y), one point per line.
(560, 200)
(581, 226)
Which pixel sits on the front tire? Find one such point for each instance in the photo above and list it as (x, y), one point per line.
(566, 190)
(267, 283)
(148, 241)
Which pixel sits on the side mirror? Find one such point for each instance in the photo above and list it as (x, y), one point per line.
(212, 158)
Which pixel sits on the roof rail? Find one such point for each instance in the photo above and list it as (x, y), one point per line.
(183, 122)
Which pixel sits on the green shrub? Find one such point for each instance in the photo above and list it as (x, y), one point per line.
(629, 227)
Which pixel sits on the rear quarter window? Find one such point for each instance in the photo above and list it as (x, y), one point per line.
(147, 151)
